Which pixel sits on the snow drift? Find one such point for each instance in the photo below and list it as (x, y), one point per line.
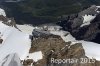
(11, 60)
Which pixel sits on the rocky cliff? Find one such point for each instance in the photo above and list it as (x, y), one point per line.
(84, 25)
(57, 52)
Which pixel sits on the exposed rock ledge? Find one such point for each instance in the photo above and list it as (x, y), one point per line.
(53, 47)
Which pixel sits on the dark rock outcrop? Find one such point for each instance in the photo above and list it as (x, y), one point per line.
(87, 32)
(8, 21)
(1, 40)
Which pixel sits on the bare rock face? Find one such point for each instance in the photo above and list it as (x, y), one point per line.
(88, 32)
(1, 40)
(91, 10)
(46, 43)
(8, 21)
(56, 52)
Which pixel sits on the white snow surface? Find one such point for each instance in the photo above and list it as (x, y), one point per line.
(35, 56)
(11, 60)
(26, 28)
(98, 6)
(87, 19)
(2, 12)
(91, 49)
(66, 36)
(14, 41)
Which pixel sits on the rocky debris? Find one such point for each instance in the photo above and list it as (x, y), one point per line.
(1, 40)
(27, 62)
(46, 41)
(8, 21)
(73, 24)
(47, 44)
(44, 31)
(2, 18)
(40, 33)
(12, 22)
(53, 48)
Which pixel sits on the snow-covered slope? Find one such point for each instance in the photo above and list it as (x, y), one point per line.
(14, 42)
(11, 60)
(91, 49)
(26, 28)
(35, 56)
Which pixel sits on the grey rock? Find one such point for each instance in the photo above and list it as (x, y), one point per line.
(87, 32)
(89, 11)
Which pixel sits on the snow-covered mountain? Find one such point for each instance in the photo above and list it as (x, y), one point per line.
(30, 46)
(91, 48)
(13, 42)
